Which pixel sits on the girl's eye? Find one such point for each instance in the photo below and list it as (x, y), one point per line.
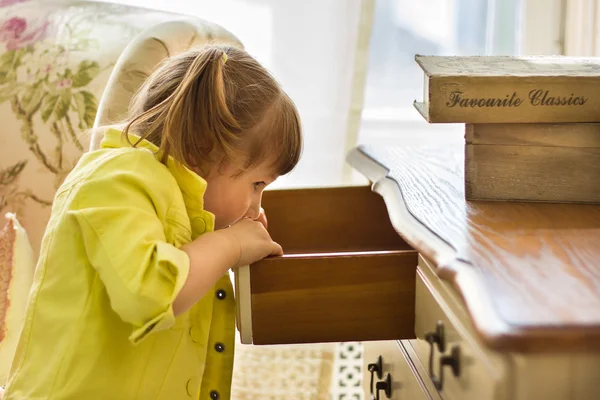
(258, 185)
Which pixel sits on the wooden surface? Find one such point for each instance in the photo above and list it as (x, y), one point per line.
(532, 173)
(346, 274)
(533, 162)
(529, 273)
(330, 220)
(509, 66)
(334, 298)
(550, 135)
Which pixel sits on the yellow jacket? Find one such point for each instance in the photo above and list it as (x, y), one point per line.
(100, 322)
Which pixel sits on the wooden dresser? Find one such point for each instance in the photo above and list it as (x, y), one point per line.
(453, 299)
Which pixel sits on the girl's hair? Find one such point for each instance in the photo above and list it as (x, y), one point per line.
(214, 105)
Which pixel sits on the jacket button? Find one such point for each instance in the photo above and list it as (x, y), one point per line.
(214, 395)
(221, 294)
(195, 334)
(219, 347)
(198, 225)
(191, 387)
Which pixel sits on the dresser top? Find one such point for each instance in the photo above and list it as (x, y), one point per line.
(529, 273)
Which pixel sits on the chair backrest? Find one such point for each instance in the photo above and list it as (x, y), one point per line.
(142, 56)
(49, 97)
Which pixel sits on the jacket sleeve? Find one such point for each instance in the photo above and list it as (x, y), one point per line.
(120, 212)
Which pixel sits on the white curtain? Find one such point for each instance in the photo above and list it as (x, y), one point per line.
(318, 51)
(582, 27)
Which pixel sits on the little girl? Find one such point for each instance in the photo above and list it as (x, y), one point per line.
(131, 298)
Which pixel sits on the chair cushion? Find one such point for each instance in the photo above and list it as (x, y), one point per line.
(17, 265)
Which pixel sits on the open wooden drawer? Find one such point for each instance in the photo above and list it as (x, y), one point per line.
(346, 274)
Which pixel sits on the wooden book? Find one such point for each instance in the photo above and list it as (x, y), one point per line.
(533, 162)
(505, 89)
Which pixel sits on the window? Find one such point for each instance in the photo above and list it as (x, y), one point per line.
(309, 45)
(403, 28)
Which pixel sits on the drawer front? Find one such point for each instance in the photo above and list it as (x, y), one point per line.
(470, 371)
(403, 367)
(332, 298)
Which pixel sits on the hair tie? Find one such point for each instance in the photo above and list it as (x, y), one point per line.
(224, 57)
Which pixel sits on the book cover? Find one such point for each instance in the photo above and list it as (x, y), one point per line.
(496, 89)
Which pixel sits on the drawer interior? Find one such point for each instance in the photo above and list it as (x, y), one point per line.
(323, 220)
(346, 274)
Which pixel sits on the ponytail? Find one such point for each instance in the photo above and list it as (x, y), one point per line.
(198, 118)
(201, 106)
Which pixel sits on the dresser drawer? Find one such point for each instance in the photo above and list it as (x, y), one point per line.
(346, 274)
(404, 368)
(471, 372)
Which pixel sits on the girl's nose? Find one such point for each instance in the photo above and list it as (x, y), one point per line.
(254, 210)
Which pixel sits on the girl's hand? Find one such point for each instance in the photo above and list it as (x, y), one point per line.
(252, 241)
(214, 253)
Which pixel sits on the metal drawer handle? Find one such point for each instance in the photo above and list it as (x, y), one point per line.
(385, 385)
(437, 337)
(452, 360)
(375, 368)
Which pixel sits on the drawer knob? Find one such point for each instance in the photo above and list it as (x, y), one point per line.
(385, 385)
(453, 361)
(375, 368)
(438, 337)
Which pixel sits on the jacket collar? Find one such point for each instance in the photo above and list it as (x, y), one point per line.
(192, 186)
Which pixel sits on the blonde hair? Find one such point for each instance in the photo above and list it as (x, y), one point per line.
(213, 105)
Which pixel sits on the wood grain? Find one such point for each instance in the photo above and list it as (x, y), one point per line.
(346, 273)
(333, 297)
(330, 220)
(512, 67)
(534, 267)
(568, 135)
(532, 173)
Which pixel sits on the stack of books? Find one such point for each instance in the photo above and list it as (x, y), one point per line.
(532, 124)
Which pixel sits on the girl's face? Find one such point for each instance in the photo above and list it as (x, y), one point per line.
(232, 198)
